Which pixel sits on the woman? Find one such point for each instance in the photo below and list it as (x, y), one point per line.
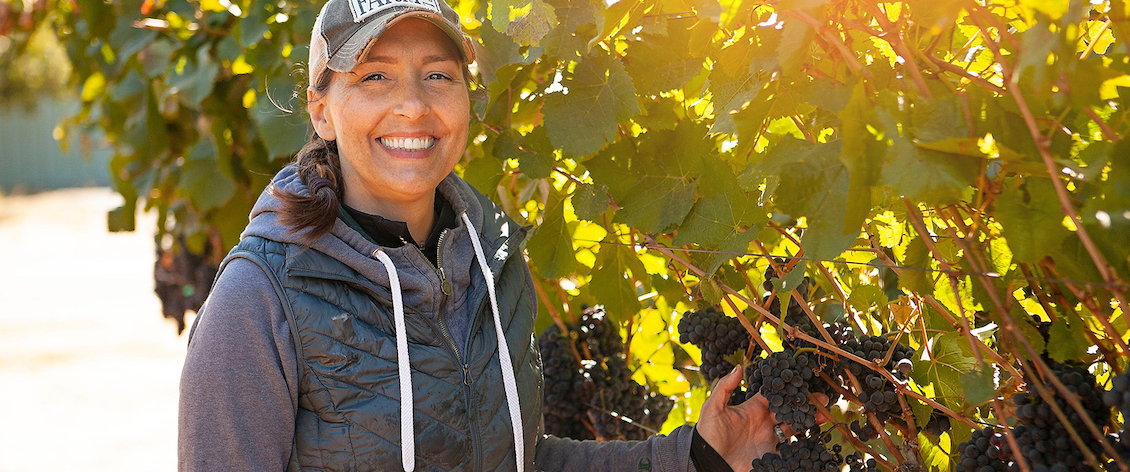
(378, 313)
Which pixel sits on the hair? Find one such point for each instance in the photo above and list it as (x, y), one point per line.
(319, 167)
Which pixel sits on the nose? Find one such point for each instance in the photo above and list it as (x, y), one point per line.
(411, 101)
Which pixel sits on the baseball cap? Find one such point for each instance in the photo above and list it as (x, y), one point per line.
(345, 29)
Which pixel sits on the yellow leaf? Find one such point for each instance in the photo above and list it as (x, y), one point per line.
(93, 87)
(1109, 89)
(212, 5)
(1053, 8)
(240, 66)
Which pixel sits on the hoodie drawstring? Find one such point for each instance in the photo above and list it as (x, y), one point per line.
(510, 385)
(508, 382)
(407, 434)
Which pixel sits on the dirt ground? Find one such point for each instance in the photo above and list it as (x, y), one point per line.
(88, 367)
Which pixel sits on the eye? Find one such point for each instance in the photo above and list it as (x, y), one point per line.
(374, 77)
(438, 76)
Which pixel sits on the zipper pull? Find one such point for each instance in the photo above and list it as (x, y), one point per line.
(444, 284)
(466, 374)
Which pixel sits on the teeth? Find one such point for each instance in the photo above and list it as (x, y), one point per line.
(408, 144)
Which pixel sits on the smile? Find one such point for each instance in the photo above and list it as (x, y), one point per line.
(409, 144)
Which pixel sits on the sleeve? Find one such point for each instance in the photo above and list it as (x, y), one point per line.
(239, 385)
(659, 453)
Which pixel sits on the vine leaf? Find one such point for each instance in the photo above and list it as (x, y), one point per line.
(952, 358)
(1030, 219)
(1067, 341)
(598, 95)
(590, 201)
(551, 248)
(202, 180)
(194, 82)
(577, 21)
(283, 131)
(814, 184)
(665, 62)
(863, 153)
(978, 385)
(610, 282)
(526, 21)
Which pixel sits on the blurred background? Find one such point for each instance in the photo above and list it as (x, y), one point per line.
(88, 366)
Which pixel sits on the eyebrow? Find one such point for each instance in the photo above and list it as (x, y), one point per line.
(427, 60)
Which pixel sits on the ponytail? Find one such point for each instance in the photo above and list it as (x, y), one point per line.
(320, 169)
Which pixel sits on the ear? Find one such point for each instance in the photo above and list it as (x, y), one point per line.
(316, 106)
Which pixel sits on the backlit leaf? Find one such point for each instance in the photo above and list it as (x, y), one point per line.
(599, 96)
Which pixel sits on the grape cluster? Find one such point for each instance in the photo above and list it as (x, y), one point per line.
(794, 315)
(983, 452)
(1042, 438)
(878, 394)
(856, 463)
(595, 398)
(563, 384)
(717, 335)
(938, 424)
(806, 454)
(783, 378)
(1118, 397)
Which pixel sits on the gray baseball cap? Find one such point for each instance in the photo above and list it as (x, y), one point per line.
(346, 29)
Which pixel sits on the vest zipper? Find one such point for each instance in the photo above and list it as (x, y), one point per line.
(444, 284)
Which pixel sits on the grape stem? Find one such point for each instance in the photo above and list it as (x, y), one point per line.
(1012, 444)
(846, 433)
(875, 421)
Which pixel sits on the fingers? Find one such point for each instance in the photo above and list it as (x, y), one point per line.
(723, 387)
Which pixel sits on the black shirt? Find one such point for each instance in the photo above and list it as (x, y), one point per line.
(389, 233)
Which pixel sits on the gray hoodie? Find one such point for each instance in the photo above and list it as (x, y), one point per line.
(240, 382)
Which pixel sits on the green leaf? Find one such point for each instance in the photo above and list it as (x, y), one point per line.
(862, 155)
(917, 277)
(599, 96)
(484, 173)
(195, 82)
(282, 126)
(665, 62)
(789, 281)
(814, 184)
(202, 180)
(922, 175)
(666, 165)
(952, 358)
(590, 201)
(551, 247)
(576, 25)
(530, 26)
(1067, 342)
(1030, 219)
(737, 78)
(796, 38)
(712, 220)
(978, 386)
(253, 27)
(611, 283)
(536, 158)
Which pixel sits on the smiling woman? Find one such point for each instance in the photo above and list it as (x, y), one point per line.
(378, 312)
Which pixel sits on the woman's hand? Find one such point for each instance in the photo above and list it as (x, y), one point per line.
(739, 433)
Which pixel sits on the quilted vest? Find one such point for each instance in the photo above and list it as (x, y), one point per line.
(348, 416)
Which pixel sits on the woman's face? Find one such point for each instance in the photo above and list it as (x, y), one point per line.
(400, 118)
